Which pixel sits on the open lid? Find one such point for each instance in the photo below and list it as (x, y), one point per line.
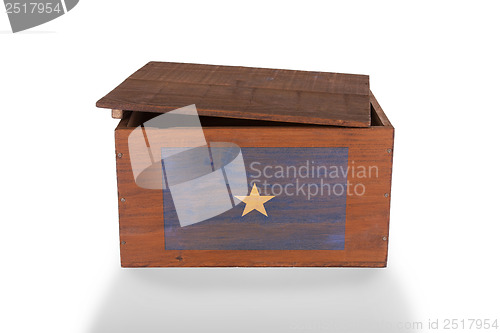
(246, 93)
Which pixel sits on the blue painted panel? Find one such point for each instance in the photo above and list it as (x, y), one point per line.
(307, 212)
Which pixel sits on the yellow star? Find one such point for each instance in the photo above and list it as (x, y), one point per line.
(255, 201)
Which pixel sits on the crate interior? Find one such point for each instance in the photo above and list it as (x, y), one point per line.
(136, 118)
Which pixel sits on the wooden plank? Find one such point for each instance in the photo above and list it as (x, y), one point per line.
(378, 109)
(116, 114)
(246, 93)
(367, 216)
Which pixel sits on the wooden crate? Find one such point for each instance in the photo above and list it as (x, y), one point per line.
(276, 115)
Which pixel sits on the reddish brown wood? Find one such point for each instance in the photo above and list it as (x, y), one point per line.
(246, 93)
(367, 220)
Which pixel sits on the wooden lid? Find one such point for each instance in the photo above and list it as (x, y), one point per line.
(246, 93)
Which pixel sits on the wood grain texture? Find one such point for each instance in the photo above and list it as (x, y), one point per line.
(367, 216)
(246, 93)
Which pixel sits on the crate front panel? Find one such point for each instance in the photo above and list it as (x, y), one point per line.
(142, 215)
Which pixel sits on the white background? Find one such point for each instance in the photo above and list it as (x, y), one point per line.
(434, 67)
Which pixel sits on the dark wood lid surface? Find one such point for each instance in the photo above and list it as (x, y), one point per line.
(246, 93)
